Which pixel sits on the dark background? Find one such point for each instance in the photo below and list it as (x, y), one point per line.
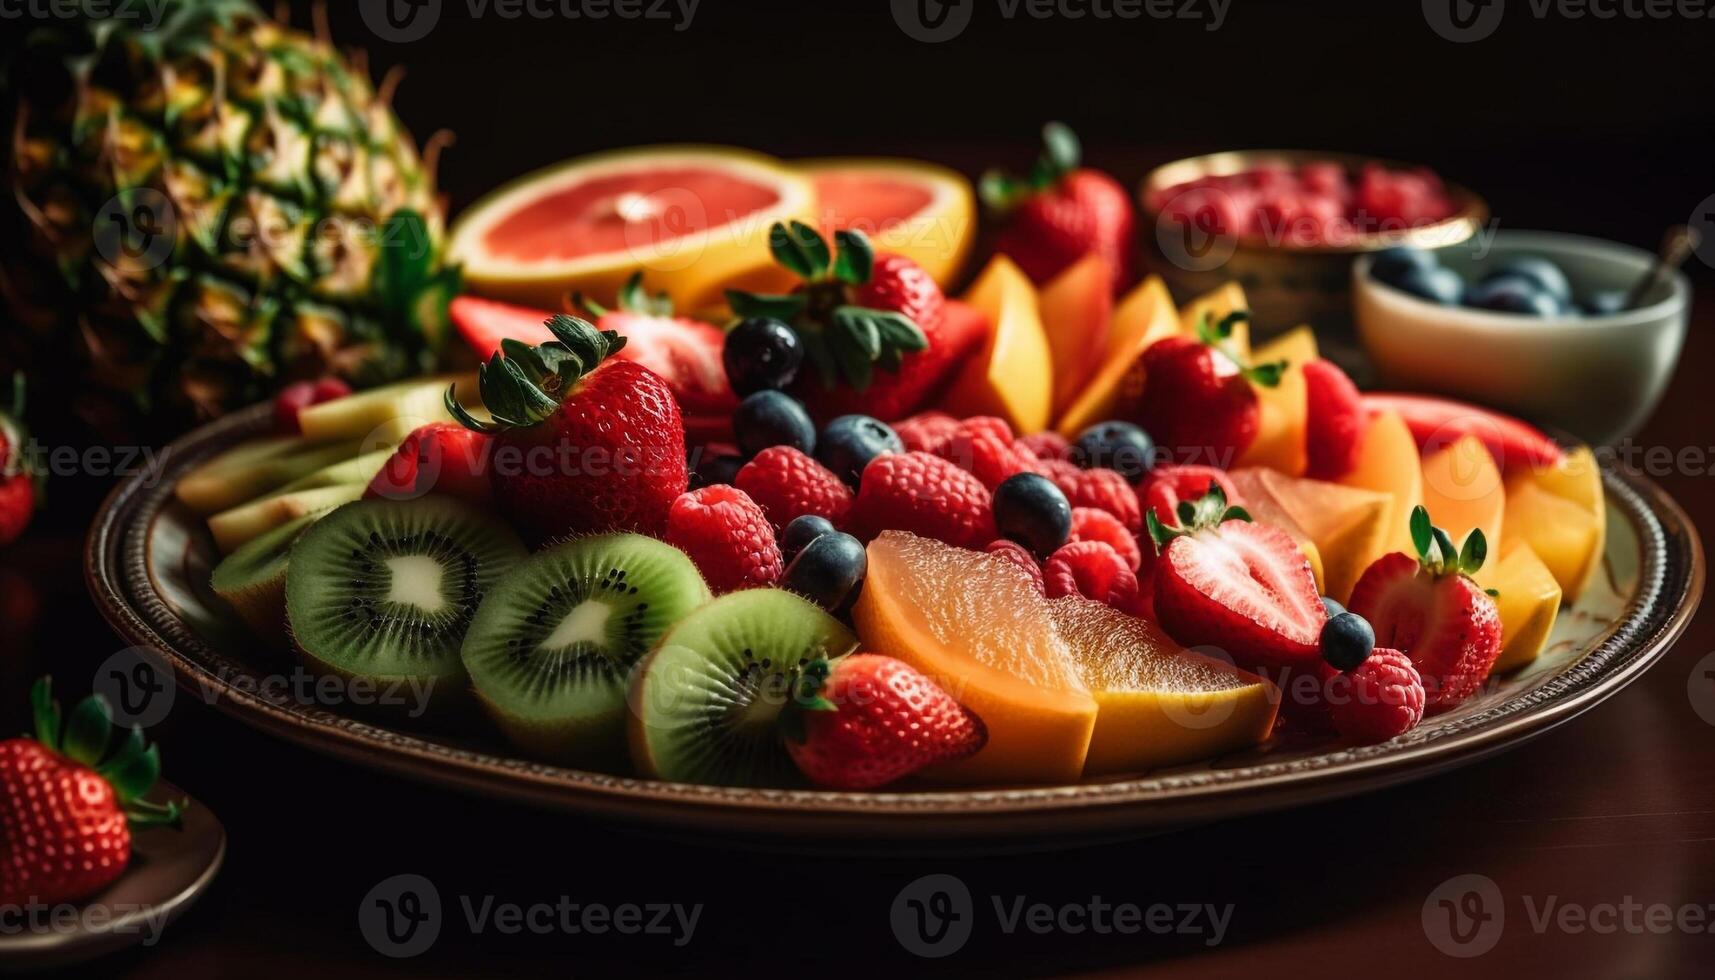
(1601, 127)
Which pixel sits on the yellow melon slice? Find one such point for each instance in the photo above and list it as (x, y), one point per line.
(1284, 409)
(1388, 463)
(1144, 316)
(1077, 306)
(1563, 517)
(1012, 375)
(1529, 603)
(1463, 490)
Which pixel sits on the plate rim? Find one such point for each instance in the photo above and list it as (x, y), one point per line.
(116, 564)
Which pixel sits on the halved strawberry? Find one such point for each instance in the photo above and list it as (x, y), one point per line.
(1334, 423)
(1429, 608)
(1437, 422)
(1223, 580)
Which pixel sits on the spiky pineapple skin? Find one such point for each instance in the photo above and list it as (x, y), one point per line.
(200, 211)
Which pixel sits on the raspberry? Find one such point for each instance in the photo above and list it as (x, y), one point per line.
(984, 445)
(1166, 486)
(728, 537)
(1382, 698)
(1094, 570)
(1062, 472)
(925, 495)
(788, 484)
(1019, 555)
(1048, 445)
(1103, 490)
(926, 431)
(1090, 524)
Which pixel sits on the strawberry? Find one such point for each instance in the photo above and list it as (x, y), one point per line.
(582, 441)
(1062, 212)
(788, 484)
(865, 720)
(296, 397)
(442, 457)
(19, 483)
(1334, 422)
(727, 536)
(69, 801)
(1437, 422)
(1167, 485)
(1429, 608)
(876, 328)
(925, 495)
(686, 353)
(1199, 401)
(1223, 580)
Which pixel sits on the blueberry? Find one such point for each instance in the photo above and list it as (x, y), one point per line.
(1030, 509)
(1347, 640)
(829, 571)
(849, 442)
(1390, 264)
(1118, 446)
(1544, 274)
(1334, 608)
(761, 353)
(1604, 302)
(709, 469)
(1436, 285)
(769, 418)
(803, 529)
(1512, 294)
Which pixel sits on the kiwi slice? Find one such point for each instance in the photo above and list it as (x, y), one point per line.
(384, 590)
(551, 649)
(252, 579)
(705, 705)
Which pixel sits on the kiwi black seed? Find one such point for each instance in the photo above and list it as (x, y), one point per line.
(252, 579)
(384, 590)
(705, 705)
(551, 649)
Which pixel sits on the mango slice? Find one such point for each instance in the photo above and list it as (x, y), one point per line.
(1011, 376)
(1284, 409)
(1144, 316)
(1529, 603)
(1463, 490)
(1388, 463)
(1562, 515)
(1077, 306)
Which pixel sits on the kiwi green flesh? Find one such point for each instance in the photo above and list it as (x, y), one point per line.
(551, 649)
(252, 579)
(385, 589)
(706, 703)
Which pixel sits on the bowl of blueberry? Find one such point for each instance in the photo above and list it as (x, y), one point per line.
(1570, 331)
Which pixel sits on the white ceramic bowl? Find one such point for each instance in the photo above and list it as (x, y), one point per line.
(1596, 377)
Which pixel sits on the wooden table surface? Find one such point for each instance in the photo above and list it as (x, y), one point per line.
(1583, 832)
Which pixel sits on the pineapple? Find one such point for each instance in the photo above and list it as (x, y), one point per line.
(207, 210)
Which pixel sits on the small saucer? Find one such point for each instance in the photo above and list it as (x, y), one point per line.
(169, 870)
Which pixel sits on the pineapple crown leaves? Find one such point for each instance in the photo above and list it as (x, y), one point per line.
(1218, 334)
(410, 283)
(1061, 154)
(845, 342)
(1437, 553)
(1209, 510)
(129, 764)
(633, 298)
(522, 386)
(806, 696)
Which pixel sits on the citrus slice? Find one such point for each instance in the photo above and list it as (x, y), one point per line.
(924, 212)
(693, 219)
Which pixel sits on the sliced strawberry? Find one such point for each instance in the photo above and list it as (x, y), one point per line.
(1436, 422)
(1335, 421)
(483, 324)
(1222, 580)
(1428, 607)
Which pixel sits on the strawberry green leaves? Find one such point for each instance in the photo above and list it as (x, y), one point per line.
(1437, 552)
(1218, 334)
(799, 249)
(633, 298)
(1209, 510)
(1061, 154)
(132, 765)
(523, 386)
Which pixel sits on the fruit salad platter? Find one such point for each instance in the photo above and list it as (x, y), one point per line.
(813, 534)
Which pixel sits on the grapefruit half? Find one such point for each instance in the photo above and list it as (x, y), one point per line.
(693, 219)
(924, 212)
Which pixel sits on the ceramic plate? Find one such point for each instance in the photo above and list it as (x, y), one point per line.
(148, 566)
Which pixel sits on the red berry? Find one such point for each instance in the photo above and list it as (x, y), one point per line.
(925, 495)
(1445, 622)
(898, 283)
(1166, 486)
(1382, 698)
(926, 431)
(442, 457)
(17, 504)
(728, 537)
(984, 445)
(1047, 445)
(1019, 555)
(1103, 490)
(871, 720)
(1093, 570)
(1198, 402)
(1090, 524)
(1335, 421)
(788, 484)
(296, 397)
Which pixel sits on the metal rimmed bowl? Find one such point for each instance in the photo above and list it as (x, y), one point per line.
(148, 562)
(1287, 285)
